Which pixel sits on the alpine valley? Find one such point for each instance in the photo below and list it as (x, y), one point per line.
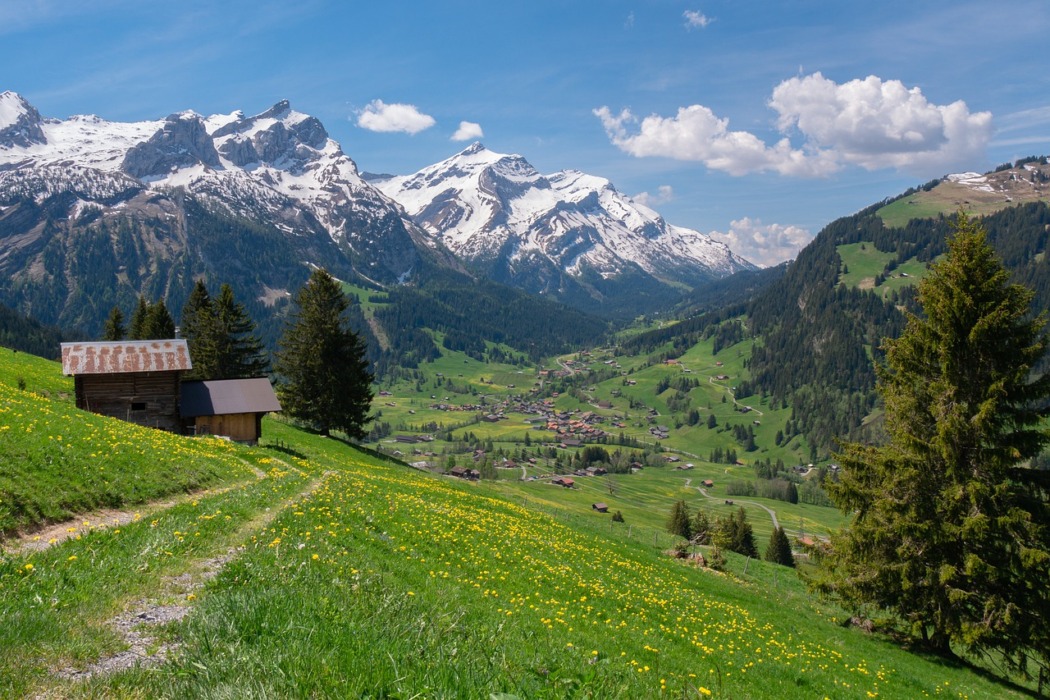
(95, 213)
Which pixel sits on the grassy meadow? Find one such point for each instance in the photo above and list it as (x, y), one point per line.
(306, 567)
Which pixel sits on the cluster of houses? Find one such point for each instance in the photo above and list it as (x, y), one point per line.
(140, 381)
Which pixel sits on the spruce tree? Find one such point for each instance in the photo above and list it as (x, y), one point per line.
(779, 549)
(743, 535)
(158, 324)
(324, 377)
(138, 320)
(240, 352)
(198, 327)
(950, 532)
(678, 522)
(114, 327)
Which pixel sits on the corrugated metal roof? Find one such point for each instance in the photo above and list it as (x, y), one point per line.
(220, 397)
(113, 357)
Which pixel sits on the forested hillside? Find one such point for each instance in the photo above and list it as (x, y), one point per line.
(818, 337)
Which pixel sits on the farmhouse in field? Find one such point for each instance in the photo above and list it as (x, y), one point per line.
(134, 380)
(232, 408)
(140, 381)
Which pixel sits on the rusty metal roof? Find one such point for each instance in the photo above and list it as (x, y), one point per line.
(221, 397)
(113, 357)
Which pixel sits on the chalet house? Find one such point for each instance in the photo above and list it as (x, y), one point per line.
(465, 473)
(600, 507)
(134, 380)
(232, 408)
(563, 481)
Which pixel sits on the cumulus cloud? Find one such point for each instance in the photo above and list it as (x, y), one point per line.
(695, 19)
(468, 131)
(870, 123)
(380, 116)
(664, 194)
(629, 22)
(764, 244)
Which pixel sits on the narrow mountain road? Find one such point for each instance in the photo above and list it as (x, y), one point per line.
(772, 513)
(711, 380)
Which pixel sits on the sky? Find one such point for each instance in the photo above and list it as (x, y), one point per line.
(756, 122)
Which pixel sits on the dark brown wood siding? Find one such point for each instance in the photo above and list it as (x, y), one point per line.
(146, 398)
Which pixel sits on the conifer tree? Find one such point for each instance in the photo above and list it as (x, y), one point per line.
(949, 532)
(198, 327)
(240, 351)
(743, 535)
(138, 320)
(678, 522)
(158, 324)
(324, 376)
(779, 549)
(114, 327)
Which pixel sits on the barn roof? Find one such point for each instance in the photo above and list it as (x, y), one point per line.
(221, 397)
(120, 356)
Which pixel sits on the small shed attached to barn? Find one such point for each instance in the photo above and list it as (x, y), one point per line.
(134, 380)
(232, 408)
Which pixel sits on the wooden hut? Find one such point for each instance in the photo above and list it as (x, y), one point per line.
(134, 380)
(232, 408)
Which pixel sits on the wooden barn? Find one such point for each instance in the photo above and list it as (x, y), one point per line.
(231, 408)
(134, 380)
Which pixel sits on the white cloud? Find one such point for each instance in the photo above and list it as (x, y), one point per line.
(380, 116)
(468, 131)
(695, 19)
(629, 22)
(695, 133)
(664, 194)
(764, 244)
(869, 123)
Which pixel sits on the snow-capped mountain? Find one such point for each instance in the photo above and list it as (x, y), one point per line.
(95, 212)
(158, 203)
(537, 230)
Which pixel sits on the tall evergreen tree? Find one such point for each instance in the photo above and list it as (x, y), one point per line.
(158, 324)
(240, 352)
(114, 327)
(678, 521)
(138, 320)
(949, 532)
(324, 376)
(197, 325)
(779, 549)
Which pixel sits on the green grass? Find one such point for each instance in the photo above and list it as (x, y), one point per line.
(59, 461)
(864, 261)
(343, 574)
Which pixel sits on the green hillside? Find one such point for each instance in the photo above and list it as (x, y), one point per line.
(307, 568)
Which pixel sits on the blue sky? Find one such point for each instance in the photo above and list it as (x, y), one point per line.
(759, 122)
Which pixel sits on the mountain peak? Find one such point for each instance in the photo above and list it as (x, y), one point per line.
(19, 122)
(476, 147)
(280, 109)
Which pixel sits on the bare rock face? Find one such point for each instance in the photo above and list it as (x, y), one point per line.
(182, 141)
(21, 128)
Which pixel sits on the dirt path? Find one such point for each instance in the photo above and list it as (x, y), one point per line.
(772, 513)
(41, 539)
(172, 602)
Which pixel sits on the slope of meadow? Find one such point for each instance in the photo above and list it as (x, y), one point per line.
(329, 572)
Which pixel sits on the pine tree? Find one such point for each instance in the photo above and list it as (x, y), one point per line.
(138, 320)
(949, 532)
(743, 535)
(198, 327)
(240, 352)
(324, 376)
(779, 549)
(159, 323)
(678, 522)
(114, 327)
